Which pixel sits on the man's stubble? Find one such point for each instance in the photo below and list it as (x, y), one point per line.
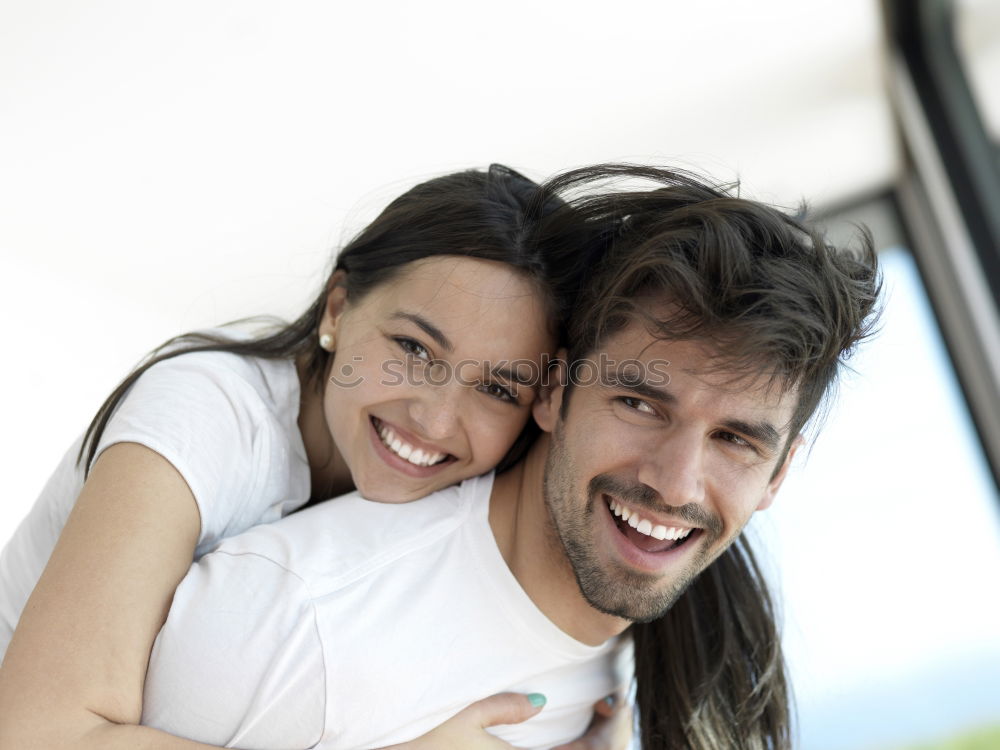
(609, 587)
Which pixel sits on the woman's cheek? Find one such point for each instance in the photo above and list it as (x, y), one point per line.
(492, 445)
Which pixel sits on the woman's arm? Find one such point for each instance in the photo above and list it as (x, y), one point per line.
(74, 671)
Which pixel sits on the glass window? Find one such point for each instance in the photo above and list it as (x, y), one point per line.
(885, 545)
(977, 26)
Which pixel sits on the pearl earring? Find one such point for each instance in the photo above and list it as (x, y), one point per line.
(326, 342)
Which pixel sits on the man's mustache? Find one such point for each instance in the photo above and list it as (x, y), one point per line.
(642, 495)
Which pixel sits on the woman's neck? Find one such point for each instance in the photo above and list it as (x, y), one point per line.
(328, 473)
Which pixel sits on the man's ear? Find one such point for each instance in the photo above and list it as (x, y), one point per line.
(336, 302)
(550, 394)
(779, 476)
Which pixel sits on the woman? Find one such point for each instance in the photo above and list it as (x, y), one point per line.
(218, 432)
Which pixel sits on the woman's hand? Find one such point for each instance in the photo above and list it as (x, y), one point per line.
(610, 729)
(466, 730)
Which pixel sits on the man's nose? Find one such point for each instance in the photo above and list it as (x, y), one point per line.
(675, 467)
(435, 409)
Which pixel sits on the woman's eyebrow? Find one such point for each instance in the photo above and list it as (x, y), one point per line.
(429, 328)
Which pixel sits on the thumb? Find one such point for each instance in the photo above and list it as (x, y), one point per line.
(505, 708)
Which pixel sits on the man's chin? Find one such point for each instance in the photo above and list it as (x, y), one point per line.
(629, 595)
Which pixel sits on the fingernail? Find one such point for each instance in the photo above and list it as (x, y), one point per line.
(536, 699)
(610, 700)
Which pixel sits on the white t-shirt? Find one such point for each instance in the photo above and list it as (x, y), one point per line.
(354, 624)
(227, 423)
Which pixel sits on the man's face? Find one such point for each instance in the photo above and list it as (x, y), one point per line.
(650, 478)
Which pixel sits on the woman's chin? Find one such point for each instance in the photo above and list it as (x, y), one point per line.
(380, 484)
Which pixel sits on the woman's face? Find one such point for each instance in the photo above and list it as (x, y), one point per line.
(434, 373)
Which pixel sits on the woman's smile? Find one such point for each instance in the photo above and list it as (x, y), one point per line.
(402, 451)
(433, 398)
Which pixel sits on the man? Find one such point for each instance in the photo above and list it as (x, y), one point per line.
(711, 329)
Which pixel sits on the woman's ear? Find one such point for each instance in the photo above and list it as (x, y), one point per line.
(336, 302)
(550, 393)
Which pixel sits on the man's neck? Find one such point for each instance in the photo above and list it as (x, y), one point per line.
(529, 544)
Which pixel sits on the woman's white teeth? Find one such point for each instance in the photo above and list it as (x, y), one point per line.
(406, 451)
(644, 526)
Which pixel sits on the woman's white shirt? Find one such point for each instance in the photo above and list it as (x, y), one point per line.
(229, 425)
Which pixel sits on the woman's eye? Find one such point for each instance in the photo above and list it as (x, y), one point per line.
(498, 391)
(413, 348)
(637, 404)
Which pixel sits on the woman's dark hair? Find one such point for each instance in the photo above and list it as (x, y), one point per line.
(710, 673)
(493, 215)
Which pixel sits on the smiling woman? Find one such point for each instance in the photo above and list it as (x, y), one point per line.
(219, 431)
(405, 430)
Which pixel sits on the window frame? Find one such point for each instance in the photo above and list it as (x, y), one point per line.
(948, 197)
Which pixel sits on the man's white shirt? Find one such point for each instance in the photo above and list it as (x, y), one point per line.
(355, 624)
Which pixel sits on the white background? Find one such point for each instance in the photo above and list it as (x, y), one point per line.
(167, 166)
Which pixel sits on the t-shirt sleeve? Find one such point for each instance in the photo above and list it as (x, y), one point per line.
(202, 417)
(239, 661)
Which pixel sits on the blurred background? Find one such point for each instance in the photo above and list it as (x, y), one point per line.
(170, 166)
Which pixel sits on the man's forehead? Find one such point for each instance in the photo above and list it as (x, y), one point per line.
(699, 362)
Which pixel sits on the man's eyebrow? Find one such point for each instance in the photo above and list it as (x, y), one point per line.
(640, 388)
(762, 432)
(429, 328)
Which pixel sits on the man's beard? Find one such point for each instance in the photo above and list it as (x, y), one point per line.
(612, 587)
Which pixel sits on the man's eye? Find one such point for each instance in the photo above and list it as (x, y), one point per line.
(413, 348)
(732, 437)
(637, 404)
(498, 391)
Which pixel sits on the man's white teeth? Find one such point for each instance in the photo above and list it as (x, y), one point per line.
(406, 451)
(644, 526)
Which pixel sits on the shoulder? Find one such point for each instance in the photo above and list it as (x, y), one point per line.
(228, 423)
(249, 381)
(238, 657)
(339, 541)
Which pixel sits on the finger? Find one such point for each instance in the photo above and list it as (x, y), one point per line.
(605, 706)
(595, 737)
(505, 708)
(612, 732)
(620, 728)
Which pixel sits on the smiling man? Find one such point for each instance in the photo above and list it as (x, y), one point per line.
(715, 326)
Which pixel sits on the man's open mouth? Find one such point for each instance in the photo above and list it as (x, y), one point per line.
(644, 533)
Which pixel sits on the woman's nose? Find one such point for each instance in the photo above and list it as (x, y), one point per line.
(435, 409)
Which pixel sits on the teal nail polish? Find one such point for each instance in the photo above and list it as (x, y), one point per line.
(610, 700)
(536, 699)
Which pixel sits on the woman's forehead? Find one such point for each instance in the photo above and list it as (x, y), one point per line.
(446, 280)
(482, 308)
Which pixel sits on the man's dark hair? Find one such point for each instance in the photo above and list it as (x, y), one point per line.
(692, 261)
